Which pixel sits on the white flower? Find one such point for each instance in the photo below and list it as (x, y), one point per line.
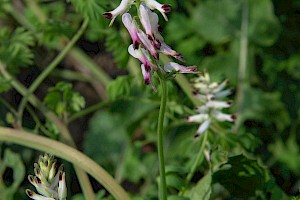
(143, 55)
(132, 28)
(147, 44)
(49, 184)
(165, 49)
(122, 8)
(210, 95)
(172, 66)
(162, 8)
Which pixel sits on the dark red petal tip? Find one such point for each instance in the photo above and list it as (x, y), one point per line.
(166, 8)
(107, 15)
(233, 117)
(178, 56)
(229, 103)
(147, 81)
(29, 193)
(60, 176)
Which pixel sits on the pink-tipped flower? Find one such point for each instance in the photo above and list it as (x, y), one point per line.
(162, 8)
(146, 74)
(131, 26)
(149, 21)
(172, 66)
(165, 49)
(122, 8)
(142, 55)
(147, 44)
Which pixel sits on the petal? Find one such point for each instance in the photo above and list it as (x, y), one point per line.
(165, 49)
(172, 66)
(145, 19)
(162, 8)
(223, 117)
(35, 196)
(147, 44)
(146, 75)
(122, 8)
(62, 189)
(203, 127)
(218, 104)
(199, 118)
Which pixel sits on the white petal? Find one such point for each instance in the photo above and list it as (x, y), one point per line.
(218, 104)
(199, 118)
(203, 127)
(223, 117)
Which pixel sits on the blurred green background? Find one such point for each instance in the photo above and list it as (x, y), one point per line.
(120, 133)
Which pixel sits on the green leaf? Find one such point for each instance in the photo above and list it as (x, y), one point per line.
(175, 181)
(202, 189)
(264, 106)
(215, 20)
(63, 100)
(264, 27)
(241, 176)
(15, 49)
(106, 139)
(120, 87)
(92, 9)
(4, 84)
(11, 160)
(281, 149)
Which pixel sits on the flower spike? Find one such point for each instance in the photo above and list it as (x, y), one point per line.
(49, 184)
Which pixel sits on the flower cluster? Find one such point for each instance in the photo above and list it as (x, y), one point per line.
(147, 41)
(210, 94)
(51, 185)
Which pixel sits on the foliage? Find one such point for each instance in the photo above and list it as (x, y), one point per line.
(115, 123)
(62, 100)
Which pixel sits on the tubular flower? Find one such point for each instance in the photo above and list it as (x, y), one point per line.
(162, 8)
(172, 66)
(210, 94)
(50, 185)
(142, 55)
(165, 49)
(147, 44)
(122, 8)
(131, 26)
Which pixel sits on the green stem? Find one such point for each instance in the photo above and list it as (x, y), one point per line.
(67, 153)
(66, 136)
(160, 141)
(86, 62)
(88, 110)
(242, 79)
(51, 67)
(198, 158)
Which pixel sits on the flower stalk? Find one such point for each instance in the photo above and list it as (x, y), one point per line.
(160, 141)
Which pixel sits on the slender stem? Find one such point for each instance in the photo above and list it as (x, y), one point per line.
(242, 62)
(66, 136)
(160, 141)
(88, 110)
(67, 153)
(198, 158)
(88, 63)
(51, 67)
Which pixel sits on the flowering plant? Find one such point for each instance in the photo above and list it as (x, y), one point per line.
(141, 105)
